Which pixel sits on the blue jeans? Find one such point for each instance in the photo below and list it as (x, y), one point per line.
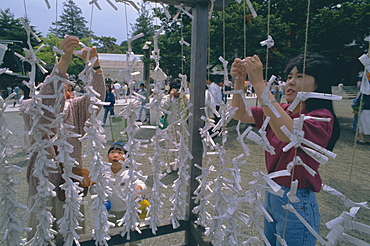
(286, 224)
(355, 120)
(106, 110)
(141, 111)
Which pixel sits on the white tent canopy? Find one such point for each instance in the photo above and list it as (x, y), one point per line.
(114, 64)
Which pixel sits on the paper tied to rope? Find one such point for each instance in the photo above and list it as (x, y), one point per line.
(129, 41)
(184, 85)
(185, 10)
(291, 209)
(281, 240)
(240, 138)
(251, 241)
(347, 202)
(32, 58)
(346, 222)
(183, 42)
(129, 2)
(242, 95)
(298, 161)
(292, 194)
(261, 140)
(262, 131)
(269, 42)
(265, 97)
(155, 40)
(226, 72)
(28, 28)
(271, 183)
(303, 96)
(318, 153)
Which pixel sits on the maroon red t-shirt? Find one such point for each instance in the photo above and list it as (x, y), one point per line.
(318, 132)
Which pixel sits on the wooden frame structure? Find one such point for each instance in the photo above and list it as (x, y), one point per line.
(198, 74)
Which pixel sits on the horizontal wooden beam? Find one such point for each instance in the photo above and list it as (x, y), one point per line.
(164, 228)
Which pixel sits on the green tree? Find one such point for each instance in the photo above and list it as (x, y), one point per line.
(331, 27)
(106, 44)
(12, 29)
(175, 59)
(144, 24)
(71, 22)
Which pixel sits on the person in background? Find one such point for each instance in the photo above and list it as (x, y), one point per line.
(117, 90)
(318, 77)
(142, 91)
(109, 97)
(119, 174)
(174, 104)
(17, 95)
(364, 120)
(75, 113)
(215, 96)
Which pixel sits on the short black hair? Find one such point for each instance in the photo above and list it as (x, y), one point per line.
(175, 84)
(117, 146)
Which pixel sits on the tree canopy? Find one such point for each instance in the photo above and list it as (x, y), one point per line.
(335, 29)
(71, 22)
(332, 26)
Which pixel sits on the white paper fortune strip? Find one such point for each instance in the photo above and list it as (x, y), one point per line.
(346, 222)
(317, 152)
(129, 41)
(265, 97)
(347, 202)
(226, 72)
(242, 95)
(129, 2)
(183, 42)
(96, 3)
(303, 96)
(293, 192)
(269, 42)
(180, 7)
(290, 208)
(11, 224)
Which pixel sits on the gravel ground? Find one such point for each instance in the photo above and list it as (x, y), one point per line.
(347, 173)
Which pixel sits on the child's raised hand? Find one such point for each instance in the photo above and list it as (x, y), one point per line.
(238, 70)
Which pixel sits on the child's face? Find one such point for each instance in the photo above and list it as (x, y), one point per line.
(116, 155)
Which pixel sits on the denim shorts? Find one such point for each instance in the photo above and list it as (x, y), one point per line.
(286, 224)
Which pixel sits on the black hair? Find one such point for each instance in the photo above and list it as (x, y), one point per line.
(26, 91)
(323, 72)
(109, 87)
(175, 84)
(142, 85)
(117, 146)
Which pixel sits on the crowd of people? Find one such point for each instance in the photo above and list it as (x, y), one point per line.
(316, 78)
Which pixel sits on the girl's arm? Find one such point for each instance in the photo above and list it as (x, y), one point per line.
(253, 66)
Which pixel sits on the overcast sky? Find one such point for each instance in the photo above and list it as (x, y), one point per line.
(105, 22)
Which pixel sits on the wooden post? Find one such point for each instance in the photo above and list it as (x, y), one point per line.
(198, 75)
(146, 73)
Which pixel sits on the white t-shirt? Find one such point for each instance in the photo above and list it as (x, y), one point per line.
(119, 185)
(215, 93)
